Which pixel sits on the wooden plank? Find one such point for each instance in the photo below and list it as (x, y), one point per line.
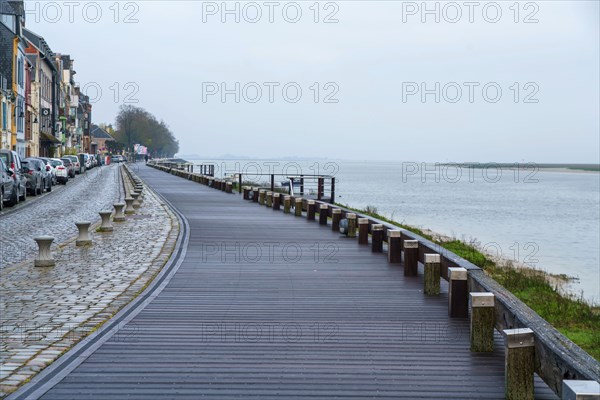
(335, 321)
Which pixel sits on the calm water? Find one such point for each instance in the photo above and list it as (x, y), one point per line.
(547, 219)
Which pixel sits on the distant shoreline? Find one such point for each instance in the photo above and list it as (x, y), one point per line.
(532, 165)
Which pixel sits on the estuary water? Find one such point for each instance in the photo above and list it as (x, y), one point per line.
(547, 219)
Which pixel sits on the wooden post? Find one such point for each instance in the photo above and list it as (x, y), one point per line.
(320, 185)
(351, 217)
(519, 363)
(432, 274)
(377, 238)
(310, 210)
(580, 390)
(458, 303)
(323, 214)
(394, 251)
(287, 204)
(229, 187)
(298, 206)
(276, 201)
(269, 202)
(272, 182)
(336, 216)
(483, 319)
(261, 197)
(332, 201)
(240, 182)
(411, 257)
(363, 231)
(302, 185)
(255, 194)
(245, 191)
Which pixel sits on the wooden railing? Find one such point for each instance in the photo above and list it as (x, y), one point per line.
(555, 358)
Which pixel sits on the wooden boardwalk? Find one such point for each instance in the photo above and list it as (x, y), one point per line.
(268, 305)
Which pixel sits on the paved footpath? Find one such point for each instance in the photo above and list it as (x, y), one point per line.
(271, 306)
(45, 311)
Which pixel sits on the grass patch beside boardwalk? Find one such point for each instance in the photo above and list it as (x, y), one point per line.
(572, 316)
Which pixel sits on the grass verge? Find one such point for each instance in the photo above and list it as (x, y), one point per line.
(571, 315)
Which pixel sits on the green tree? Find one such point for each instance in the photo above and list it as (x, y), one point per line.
(136, 125)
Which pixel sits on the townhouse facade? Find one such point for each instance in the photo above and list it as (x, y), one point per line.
(42, 110)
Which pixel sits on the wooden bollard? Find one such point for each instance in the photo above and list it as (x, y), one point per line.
(84, 234)
(245, 193)
(223, 186)
(119, 216)
(458, 302)
(310, 210)
(394, 251)
(298, 206)
(261, 197)
(483, 319)
(44, 258)
(519, 363)
(580, 390)
(276, 201)
(255, 194)
(228, 187)
(431, 272)
(287, 204)
(323, 214)
(336, 216)
(269, 202)
(377, 238)
(351, 217)
(411, 257)
(106, 226)
(363, 230)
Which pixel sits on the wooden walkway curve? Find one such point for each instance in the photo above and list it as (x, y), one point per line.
(268, 305)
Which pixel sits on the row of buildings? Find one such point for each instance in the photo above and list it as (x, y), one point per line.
(43, 112)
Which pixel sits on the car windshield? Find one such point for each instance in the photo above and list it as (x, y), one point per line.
(56, 163)
(66, 161)
(4, 158)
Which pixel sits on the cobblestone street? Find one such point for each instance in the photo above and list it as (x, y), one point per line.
(55, 214)
(45, 311)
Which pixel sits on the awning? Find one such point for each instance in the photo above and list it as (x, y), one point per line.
(46, 137)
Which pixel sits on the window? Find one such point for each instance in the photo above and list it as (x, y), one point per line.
(4, 121)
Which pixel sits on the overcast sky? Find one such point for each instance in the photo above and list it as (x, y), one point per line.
(370, 62)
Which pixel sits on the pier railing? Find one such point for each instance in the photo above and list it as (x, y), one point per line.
(531, 343)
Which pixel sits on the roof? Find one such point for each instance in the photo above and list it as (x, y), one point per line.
(12, 7)
(40, 43)
(99, 133)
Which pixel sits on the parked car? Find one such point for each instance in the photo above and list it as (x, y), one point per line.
(13, 162)
(89, 164)
(76, 163)
(6, 184)
(69, 165)
(34, 170)
(116, 159)
(62, 174)
(83, 161)
(46, 174)
(51, 173)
